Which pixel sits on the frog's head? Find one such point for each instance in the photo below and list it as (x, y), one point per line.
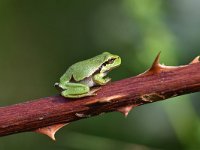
(110, 62)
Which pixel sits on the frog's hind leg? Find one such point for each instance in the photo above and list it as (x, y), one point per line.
(69, 95)
(77, 90)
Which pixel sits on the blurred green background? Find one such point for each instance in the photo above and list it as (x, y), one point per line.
(40, 39)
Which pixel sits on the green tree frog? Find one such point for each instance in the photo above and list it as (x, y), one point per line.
(81, 76)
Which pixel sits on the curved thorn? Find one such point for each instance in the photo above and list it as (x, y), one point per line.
(156, 66)
(125, 110)
(50, 131)
(195, 60)
(156, 63)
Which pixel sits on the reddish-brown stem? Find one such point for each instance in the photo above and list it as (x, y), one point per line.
(134, 91)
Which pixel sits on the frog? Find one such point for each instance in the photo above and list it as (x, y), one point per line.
(80, 78)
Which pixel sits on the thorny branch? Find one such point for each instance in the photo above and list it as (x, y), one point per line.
(47, 115)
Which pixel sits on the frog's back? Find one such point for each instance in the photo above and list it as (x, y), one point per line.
(83, 69)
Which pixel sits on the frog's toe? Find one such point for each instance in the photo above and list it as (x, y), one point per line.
(108, 79)
(95, 89)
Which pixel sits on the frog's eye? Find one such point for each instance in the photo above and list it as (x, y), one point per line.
(111, 61)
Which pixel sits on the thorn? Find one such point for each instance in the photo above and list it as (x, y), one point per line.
(125, 110)
(195, 60)
(157, 67)
(156, 63)
(50, 130)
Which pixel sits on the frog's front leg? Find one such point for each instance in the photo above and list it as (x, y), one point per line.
(98, 78)
(76, 90)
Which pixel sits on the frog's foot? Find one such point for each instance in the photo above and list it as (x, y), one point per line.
(99, 79)
(108, 79)
(94, 90)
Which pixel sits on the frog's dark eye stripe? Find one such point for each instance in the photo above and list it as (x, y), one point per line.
(111, 61)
